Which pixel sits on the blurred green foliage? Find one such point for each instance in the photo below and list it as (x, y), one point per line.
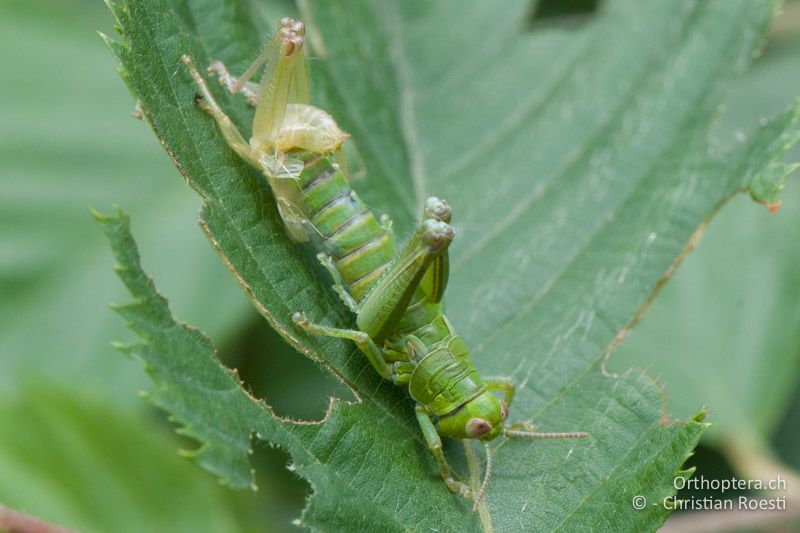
(70, 458)
(725, 331)
(68, 143)
(71, 424)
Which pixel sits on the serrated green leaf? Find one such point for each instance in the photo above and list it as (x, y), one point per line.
(578, 165)
(208, 402)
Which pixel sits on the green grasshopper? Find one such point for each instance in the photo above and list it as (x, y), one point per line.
(397, 297)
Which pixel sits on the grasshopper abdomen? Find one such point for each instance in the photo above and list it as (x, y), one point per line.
(359, 247)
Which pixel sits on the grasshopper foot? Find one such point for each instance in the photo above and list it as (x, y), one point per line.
(460, 488)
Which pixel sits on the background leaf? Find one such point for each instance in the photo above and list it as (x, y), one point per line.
(65, 147)
(68, 458)
(598, 141)
(77, 444)
(730, 317)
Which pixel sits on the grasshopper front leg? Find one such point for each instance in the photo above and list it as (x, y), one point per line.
(435, 446)
(361, 339)
(506, 385)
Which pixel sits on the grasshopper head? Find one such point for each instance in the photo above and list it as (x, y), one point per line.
(480, 418)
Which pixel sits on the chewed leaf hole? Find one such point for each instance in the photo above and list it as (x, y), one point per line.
(282, 493)
(563, 12)
(273, 371)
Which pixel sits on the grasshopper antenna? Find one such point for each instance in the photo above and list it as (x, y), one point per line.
(526, 434)
(486, 478)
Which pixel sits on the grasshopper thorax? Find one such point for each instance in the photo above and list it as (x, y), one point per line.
(480, 418)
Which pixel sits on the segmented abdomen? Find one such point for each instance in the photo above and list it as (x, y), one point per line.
(359, 246)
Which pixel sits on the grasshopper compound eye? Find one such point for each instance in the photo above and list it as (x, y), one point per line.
(477, 427)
